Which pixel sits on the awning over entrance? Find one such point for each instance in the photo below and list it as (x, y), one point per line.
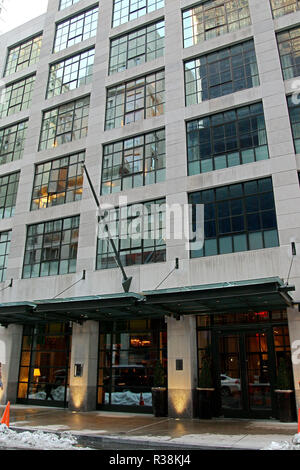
(240, 296)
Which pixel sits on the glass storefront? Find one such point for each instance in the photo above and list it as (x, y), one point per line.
(128, 352)
(244, 351)
(44, 365)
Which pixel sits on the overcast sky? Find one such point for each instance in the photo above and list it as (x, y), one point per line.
(20, 11)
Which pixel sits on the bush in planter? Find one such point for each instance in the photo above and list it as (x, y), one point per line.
(205, 391)
(159, 391)
(285, 393)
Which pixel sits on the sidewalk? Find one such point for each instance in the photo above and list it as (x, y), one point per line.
(145, 431)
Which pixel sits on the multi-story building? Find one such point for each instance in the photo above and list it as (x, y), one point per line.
(168, 104)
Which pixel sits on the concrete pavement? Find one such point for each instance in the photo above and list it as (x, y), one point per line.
(146, 431)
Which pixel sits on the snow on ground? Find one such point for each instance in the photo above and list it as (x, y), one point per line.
(36, 440)
(285, 445)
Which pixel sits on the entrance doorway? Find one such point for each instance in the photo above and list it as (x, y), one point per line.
(244, 351)
(246, 376)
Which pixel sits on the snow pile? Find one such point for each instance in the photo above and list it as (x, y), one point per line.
(129, 398)
(35, 440)
(285, 445)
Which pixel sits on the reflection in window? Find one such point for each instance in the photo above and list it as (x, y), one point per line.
(294, 112)
(283, 7)
(128, 352)
(5, 238)
(44, 365)
(134, 162)
(227, 139)
(136, 100)
(71, 73)
(139, 235)
(137, 47)
(76, 29)
(8, 194)
(238, 217)
(67, 3)
(23, 55)
(17, 96)
(12, 140)
(51, 248)
(58, 182)
(214, 18)
(128, 10)
(64, 124)
(220, 73)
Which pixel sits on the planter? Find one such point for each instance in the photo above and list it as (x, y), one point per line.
(160, 401)
(286, 405)
(205, 398)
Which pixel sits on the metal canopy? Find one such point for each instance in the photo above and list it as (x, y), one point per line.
(241, 296)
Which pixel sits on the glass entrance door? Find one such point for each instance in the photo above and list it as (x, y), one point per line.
(245, 375)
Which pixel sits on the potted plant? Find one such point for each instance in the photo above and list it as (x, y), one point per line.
(205, 391)
(159, 392)
(285, 394)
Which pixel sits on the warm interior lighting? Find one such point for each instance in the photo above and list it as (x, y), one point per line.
(36, 373)
(136, 342)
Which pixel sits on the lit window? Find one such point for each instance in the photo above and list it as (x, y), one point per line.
(283, 7)
(58, 182)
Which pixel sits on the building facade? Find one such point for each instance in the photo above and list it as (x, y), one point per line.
(163, 105)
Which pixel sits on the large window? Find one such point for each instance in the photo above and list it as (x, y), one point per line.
(58, 182)
(294, 112)
(12, 140)
(227, 139)
(76, 29)
(44, 366)
(5, 238)
(128, 10)
(139, 232)
(283, 7)
(23, 55)
(51, 248)
(71, 73)
(128, 352)
(134, 162)
(221, 73)
(137, 47)
(17, 96)
(135, 100)
(8, 194)
(214, 18)
(64, 124)
(289, 51)
(67, 3)
(238, 217)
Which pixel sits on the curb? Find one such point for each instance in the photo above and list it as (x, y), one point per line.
(98, 442)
